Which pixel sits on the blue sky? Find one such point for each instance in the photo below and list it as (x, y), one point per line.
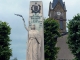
(18, 33)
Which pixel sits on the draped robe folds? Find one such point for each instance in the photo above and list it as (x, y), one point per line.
(34, 45)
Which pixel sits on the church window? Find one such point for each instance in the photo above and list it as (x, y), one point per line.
(61, 24)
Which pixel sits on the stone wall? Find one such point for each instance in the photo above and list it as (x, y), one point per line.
(64, 52)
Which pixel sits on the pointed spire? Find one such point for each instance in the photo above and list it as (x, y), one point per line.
(65, 7)
(56, 1)
(50, 5)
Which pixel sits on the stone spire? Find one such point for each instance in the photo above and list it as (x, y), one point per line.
(60, 1)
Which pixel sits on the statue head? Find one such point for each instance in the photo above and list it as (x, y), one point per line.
(32, 27)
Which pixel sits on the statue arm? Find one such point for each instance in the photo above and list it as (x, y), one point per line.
(38, 38)
(24, 24)
(23, 20)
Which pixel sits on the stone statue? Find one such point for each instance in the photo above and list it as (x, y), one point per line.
(34, 42)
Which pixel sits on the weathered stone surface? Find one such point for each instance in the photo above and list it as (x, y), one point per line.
(64, 52)
(35, 49)
(34, 45)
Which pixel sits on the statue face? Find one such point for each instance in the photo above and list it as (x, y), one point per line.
(32, 27)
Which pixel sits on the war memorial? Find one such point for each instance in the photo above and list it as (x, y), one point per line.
(35, 49)
(35, 29)
(57, 11)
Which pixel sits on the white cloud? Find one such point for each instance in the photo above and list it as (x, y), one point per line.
(18, 32)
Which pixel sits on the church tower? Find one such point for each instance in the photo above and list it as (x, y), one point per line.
(57, 11)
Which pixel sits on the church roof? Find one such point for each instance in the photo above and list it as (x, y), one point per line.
(65, 33)
(56, 1)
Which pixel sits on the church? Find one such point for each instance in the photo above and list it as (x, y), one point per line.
(57, 11)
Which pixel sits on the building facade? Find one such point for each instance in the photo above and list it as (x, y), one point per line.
(57, 11)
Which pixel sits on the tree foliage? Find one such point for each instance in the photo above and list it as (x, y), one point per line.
(74, 36)
(51, 28)
(5, 51)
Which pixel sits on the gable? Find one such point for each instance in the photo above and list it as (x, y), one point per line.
(55, 2)
(58, 7)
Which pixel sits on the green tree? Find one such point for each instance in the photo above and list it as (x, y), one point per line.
(51, 30)
(5, 51)
(74, 36)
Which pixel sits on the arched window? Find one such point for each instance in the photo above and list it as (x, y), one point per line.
(61, 23)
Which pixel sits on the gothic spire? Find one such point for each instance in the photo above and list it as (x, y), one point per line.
(54, 3)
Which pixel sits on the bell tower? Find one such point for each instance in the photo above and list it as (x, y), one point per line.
(57, 11)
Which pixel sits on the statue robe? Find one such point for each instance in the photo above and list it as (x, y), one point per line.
(34, 44)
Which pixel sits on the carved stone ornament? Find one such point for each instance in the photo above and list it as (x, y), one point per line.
(36, 8)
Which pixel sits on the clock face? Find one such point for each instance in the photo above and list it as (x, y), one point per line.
(58, 13)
